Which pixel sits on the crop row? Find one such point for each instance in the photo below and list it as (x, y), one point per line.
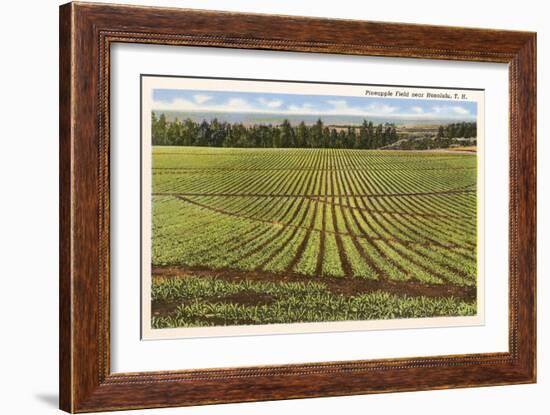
(319, 212)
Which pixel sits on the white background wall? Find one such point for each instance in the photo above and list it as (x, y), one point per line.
(28, 205)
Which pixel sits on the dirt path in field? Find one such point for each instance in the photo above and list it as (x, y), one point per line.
(171, 170)
(297, 196)
(389, 212)
(311, 228)
(347, 286)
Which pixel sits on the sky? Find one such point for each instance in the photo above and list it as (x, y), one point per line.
(272, 103)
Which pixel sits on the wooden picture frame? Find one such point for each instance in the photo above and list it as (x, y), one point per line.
(86, 33)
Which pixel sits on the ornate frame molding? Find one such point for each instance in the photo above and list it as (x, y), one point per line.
(86, 34)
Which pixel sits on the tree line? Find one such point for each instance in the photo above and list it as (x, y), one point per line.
(217, 133)
(458, 130)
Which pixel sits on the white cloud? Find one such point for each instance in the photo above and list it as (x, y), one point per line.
(237, 104)
(305, 108)
(271, 103)
(338, 103)
(382, 109)
(341, 106)
(461, 110)
(450, 111)
(417, 110)
(179, 104)
(201, 98)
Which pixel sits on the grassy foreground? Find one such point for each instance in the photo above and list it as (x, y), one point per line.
(211, 302)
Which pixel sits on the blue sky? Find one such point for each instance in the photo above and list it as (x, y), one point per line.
(270, 103)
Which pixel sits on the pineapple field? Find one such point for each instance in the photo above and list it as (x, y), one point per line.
(258, 236)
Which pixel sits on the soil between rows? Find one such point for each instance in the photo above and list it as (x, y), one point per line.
(347, 286)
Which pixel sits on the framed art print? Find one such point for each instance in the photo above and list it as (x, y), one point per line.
(262, 207)
(271, 207)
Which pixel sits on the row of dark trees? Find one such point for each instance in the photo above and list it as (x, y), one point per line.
(458, 130)
(217, 133)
